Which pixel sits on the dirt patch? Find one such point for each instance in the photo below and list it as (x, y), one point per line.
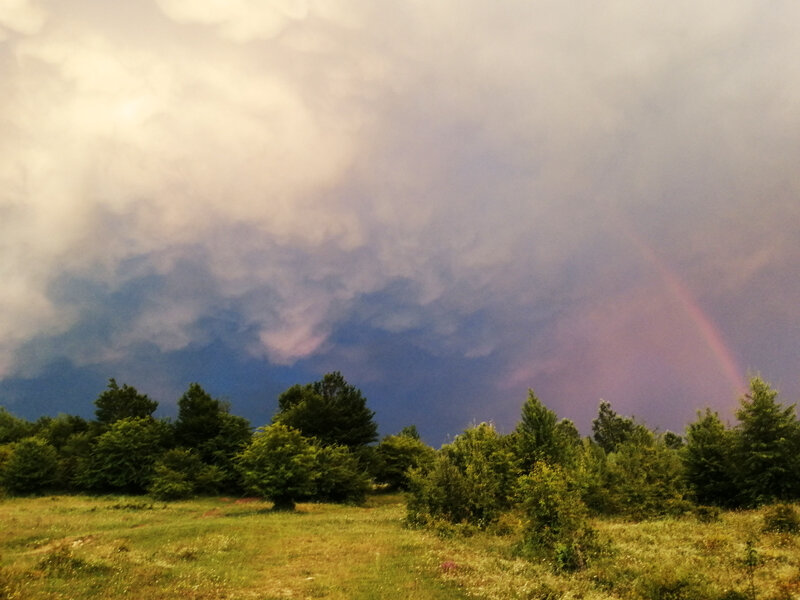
(76, 542)
(214, 512)
(247, 500)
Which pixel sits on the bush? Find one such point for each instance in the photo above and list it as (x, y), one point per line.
(339, 476)
(645, 479)
(557, 527)
(30, 467)
(781, 518)
(673, 586)
(123, 458)
(707, 514)
(395, 455)
(471, 480)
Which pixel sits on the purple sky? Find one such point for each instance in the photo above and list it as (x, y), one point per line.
(450, 202)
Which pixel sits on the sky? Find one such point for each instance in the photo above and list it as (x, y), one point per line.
(450, 202)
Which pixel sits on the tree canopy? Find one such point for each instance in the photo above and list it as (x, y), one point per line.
(330, 410)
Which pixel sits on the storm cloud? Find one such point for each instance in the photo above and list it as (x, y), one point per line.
(449, 202)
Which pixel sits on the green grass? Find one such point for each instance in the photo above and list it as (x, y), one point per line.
(127, 547)
(115, 547)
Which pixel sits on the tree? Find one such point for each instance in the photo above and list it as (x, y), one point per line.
(123, 457)
(278, 464)
(31, 467)
(644, 478)
(330, 410)
(122, 402)
(339, 477)
(396, 454)
(541, 437)
(470, 480)
(609, 430)
(13, 428)
(768, 446)
(179, 473)
(206, 426)
(708, 461)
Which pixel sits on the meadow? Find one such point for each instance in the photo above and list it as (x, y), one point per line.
(132, 547)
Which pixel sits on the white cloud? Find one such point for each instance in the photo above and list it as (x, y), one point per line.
(238, 20)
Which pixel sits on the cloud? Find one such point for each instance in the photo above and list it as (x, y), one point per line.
(262, 174)
(240, 20)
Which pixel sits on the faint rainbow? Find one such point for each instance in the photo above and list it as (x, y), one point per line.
(705, 325)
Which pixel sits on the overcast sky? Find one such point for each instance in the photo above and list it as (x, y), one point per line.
(450, 202)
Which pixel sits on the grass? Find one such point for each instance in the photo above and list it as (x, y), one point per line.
(113, 547)
(83, 547)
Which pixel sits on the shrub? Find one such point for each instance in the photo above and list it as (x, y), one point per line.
(673, 586)
(339, 476)
(30, 467)
(781, 518)
(557, 527)
(707, 514)
(123, 458)
(395, 455)
(471, 480)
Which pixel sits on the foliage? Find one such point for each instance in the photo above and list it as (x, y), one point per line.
(708, 461)
(781, 518)
(471, 480)
(121, 403)
(541, 437)
(768, 447)
(278, 464)
(179, 473)
(57, 431)
(610, 430)
(396, 454)
(330, 410)
(30, 467)
(205, 426)
(556, 527)
(644, 478)
(339, 476)
(123, 457)
(13, 429)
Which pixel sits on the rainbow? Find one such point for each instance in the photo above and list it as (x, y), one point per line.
(705, 325)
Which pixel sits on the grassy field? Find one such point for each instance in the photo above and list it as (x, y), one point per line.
(127, 547)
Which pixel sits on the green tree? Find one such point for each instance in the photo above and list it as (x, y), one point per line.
(123, 457)
(179, 473)
(13, 429)
(768, 446)
(396, 454)
(330, 410)
(278, 464)
(644, 478)
(540, 436)
(58, 430)
(709, 461)
(471, 480)
(339, 476)
(205, 425)
(31, 467)
(610, 430)
(122, 402)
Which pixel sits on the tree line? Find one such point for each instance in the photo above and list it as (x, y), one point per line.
(321, 445)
